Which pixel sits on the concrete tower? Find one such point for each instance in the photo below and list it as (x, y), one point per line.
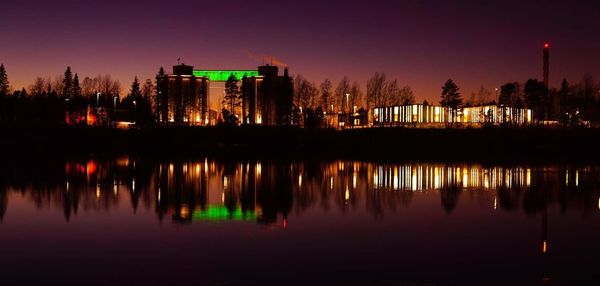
(546, 64)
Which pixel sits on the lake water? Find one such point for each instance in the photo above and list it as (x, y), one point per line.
(136, 221)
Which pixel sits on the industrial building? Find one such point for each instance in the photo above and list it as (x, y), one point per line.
(267, 98)
(194, 97)
(183, 97)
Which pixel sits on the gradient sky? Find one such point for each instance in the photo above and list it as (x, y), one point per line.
(421, 43)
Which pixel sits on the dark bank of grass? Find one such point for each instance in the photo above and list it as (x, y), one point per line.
(489, 144)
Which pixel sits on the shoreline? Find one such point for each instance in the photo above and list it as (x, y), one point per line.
(388, 143)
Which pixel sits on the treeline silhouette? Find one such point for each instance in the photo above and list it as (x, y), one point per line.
(65, 98)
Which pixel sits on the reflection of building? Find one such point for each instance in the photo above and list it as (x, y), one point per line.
(266, 192)
(430, 115)
(432, 177)
(186, 96)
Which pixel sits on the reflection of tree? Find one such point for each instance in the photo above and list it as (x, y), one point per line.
(183, 190)
(534, 201)
(274, 193)
(508, 199)
(3, 203)
(450, 195)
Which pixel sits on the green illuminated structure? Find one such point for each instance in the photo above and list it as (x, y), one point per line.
(219, 213)
(223, 75)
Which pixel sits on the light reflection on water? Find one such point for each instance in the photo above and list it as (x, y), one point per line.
(207, 189)
(498, 204)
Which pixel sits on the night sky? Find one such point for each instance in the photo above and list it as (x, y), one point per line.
(422, 43)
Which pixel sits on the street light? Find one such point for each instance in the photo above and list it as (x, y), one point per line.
(134, 112)
(347, 107)
(497, 99)
(347, 100)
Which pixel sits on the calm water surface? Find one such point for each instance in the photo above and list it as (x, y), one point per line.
(132, 221)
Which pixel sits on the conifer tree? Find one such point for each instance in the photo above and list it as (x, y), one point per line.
(68, 83)
(4, 84)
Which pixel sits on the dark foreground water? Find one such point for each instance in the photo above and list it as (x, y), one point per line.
(126, 221)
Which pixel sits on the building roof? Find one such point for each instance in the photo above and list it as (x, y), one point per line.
(223, 75)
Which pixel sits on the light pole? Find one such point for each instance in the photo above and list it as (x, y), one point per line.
(97, 99)
(134, 112)
(497, 98)
(347, 111)
(115, 110)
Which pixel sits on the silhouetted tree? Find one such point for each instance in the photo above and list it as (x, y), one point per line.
(564, 94)
(483, 96)
(375, 87)
(356, 95)
(507, 93)
(586, 96)
(4, 83)
(325, 100)
(305, 95)
(391, 93)
(407, 96)
(342, 94)
(232, 94)
(138, 105)
(535, 97)
(147, 89)
(135, 89)
(76, 87)
(451, 96)
(161, 106)
(67, 83)
(89, 87)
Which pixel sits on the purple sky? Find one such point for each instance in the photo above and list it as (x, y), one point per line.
(421, 43)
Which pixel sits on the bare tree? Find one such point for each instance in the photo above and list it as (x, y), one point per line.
(391, 93)
(57, 85)
(148, 89)
(89, 86)
(407, 96)
(483, 96)
(301, 87)
(313, 95)
(326, 100)
(342, 94)
(375, 86)
(356, 95)
(38, 87)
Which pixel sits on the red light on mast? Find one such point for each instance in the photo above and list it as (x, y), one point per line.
(546, 45)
